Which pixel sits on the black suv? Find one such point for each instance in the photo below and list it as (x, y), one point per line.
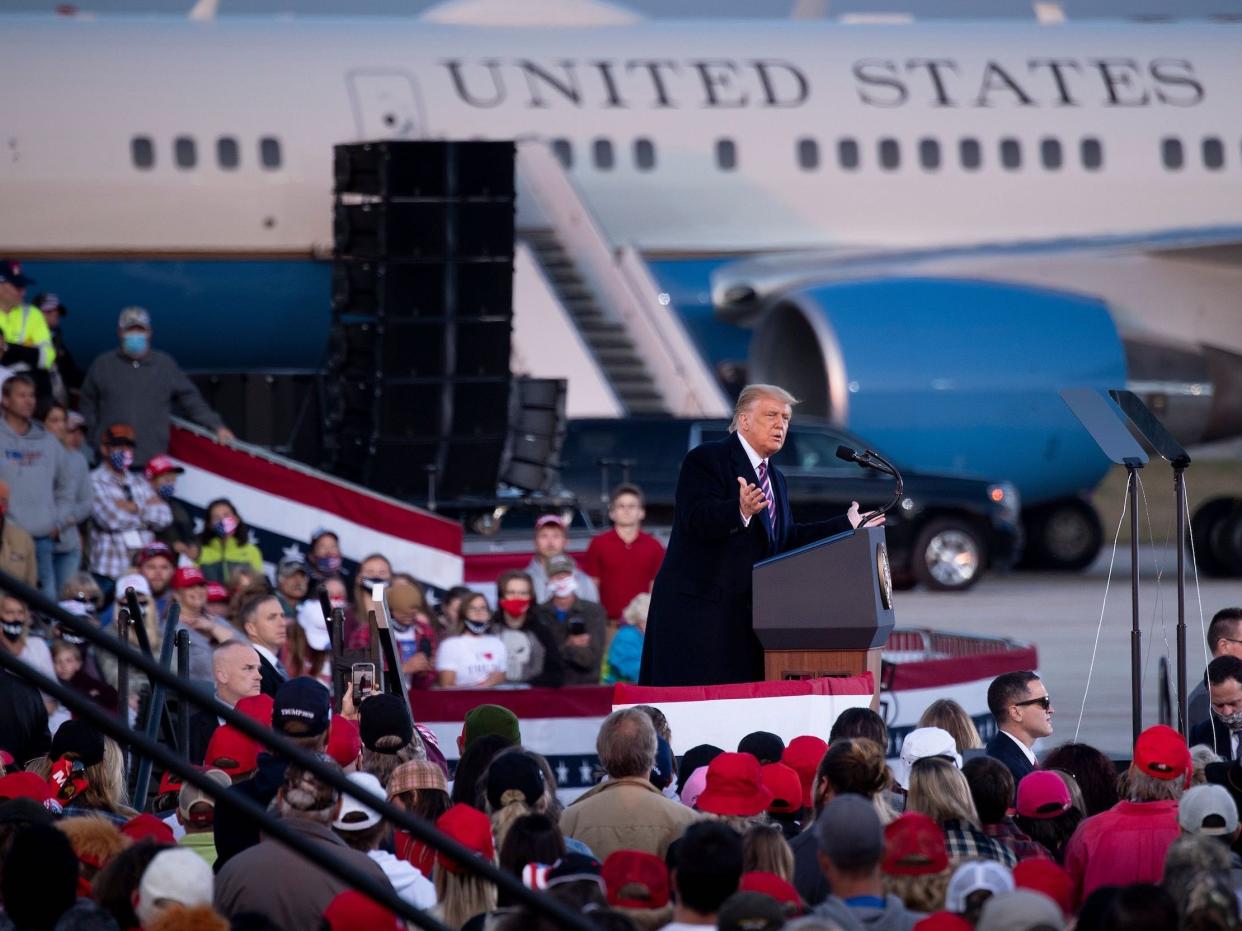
(944, 532)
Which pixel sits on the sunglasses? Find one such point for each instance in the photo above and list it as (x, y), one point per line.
(1044, 701)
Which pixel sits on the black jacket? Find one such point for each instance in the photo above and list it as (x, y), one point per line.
(1001, 746)
(699, 625)
(1201, 733)
(202, 725)
(23, 720)
(270, 679)
(235, 832)
(582, 664)
(808, 878)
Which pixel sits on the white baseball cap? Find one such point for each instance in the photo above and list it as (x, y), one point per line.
(976, 876)
(924, 742)
(354, 815)
(1208, 810)
(177, 874)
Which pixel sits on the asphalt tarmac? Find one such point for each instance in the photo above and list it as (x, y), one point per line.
(1059, 613)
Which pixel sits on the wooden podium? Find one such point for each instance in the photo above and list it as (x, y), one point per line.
(825, 609)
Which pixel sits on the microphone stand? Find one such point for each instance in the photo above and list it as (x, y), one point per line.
(870, 459)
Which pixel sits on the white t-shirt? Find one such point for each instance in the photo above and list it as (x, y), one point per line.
(472, 658)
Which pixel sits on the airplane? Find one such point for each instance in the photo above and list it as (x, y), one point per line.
(925, 230)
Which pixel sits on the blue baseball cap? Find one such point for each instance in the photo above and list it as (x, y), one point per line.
(665, 766)
(302, 708)
(11, 272)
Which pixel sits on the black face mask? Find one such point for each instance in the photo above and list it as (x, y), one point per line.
(12, 630)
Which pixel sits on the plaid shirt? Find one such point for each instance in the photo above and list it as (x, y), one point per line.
(1013, 837)
(111, 552)
(966, 842)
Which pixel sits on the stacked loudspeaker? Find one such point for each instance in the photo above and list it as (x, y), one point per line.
(422, 301)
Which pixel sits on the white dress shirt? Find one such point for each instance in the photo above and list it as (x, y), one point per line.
(755, 459)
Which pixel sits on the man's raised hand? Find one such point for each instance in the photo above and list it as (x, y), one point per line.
(750, 498)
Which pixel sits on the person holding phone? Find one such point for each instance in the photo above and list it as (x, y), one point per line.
(413, 632)
(476, 658)
(578, 625)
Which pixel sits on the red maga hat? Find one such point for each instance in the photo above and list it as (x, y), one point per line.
(231, 751)
(635, 879)
(734, 786)
(803, 755)
(914, 845)
(1161, 753)
(470, 828)
(786, 788)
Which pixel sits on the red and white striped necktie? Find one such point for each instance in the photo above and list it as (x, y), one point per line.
(766, 485)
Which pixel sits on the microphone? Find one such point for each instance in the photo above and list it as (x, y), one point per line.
(849, 455)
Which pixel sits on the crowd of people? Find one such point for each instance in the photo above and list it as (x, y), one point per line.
(820, 833)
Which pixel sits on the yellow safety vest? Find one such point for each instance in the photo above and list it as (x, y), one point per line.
(25, 325)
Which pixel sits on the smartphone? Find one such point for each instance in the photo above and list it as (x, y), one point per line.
(362, 676)
(424, 646)
(577, 626)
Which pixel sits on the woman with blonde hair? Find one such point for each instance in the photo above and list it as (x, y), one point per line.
(948, 715)
(91, 770)
(765, 850)
(516, 787)
(939, 790)
(462, 894)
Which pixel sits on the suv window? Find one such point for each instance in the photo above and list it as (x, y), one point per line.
(813, 450)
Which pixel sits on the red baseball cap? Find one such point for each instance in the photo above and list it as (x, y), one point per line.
(217, 593)
(635, 879)
(1042, 794)
(1047, 877)
(1161, 753)
(232, 751)
(157, 549)
(143, 826)
(160, 465)
(188, 576)
(803, 755)
(550, 520)
(26, 785)
(943, 921)
(353, 911)
(773, 886)
(914, 845)
(257, 708)
(786, 788)
(170, 782)
(344, 740)
(734, 786)
(470, 828)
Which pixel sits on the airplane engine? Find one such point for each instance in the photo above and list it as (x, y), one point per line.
(957, 375)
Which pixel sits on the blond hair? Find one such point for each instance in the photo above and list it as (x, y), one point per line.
(939, 790)
(948, 715)
(752, 393)
(923, 892)
(461, 896)
(764, 849)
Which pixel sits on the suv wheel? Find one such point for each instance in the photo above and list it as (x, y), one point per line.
(948, 556)
(1062, 535)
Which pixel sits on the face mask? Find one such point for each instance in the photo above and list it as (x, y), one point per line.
(166, 491)
(1232, 721)
(13, 630)
(121, 459)
(135, 344)
(563, 588)
(72, 638)
(327, 564)
(478, 627)
(514, 607)
(225, 526)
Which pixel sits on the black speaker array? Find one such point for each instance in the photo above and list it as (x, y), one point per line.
(536, 434)
(422, 303)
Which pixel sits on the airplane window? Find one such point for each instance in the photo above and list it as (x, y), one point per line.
(929, 154)
(1092, 153)
(847, 154)
(227, 153)
(601, 153)
(1213, 153)
(142, 152)
(564, 152)
(644, 154)
(726, 154)
(890, 154)
(1050, 153)
(1011, 154)
(269, 152)
(971, 154)
(184, 152)
(1171, 152)
(808, 154)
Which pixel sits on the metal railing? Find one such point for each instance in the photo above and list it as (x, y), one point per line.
(159, 675)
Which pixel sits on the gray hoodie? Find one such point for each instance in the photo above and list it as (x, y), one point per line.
(83, 494)
(36, 466)
(892, 917)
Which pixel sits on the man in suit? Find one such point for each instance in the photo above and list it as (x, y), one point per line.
(263, 622)
(1224, 638)
(1223, 729)
(732, 510)
(1023, 711)
(235, 668)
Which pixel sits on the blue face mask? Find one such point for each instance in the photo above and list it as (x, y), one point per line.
(135, 343)
(121, 459)
(166, 491)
